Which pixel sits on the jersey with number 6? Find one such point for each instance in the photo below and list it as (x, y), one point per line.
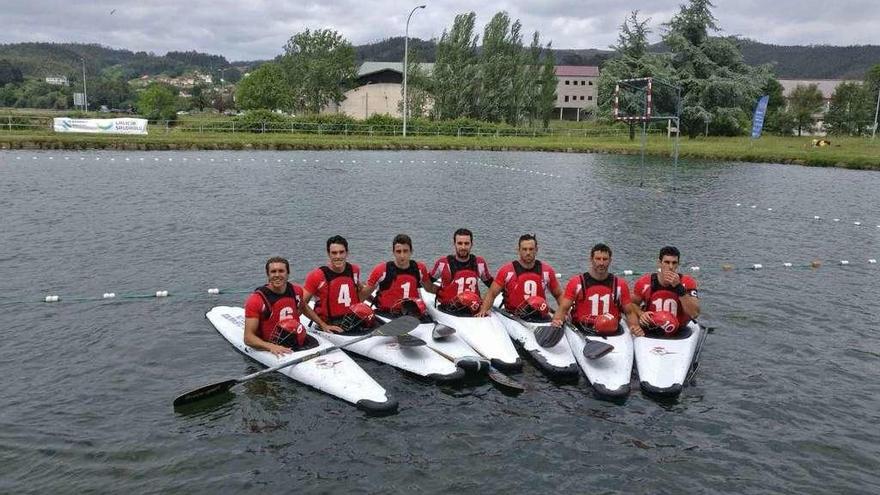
(458, 276)
(271, 308)
(396, 283)
(520, 283)
(656, 297)
(593, 297)
(334, 292)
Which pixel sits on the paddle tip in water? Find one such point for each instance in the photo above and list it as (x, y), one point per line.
(204, 393)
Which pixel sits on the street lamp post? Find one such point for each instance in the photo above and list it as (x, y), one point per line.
(85, 92)
(406, 62)
(221, 107)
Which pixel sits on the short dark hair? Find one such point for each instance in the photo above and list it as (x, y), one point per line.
(277, 259)
(599, 247)
(402, 239)
(669, 251)
(337, 239)
(527, 237)
(463, 232)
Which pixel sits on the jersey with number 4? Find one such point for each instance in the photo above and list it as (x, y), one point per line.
(593, 297)
(520, 283)
(656, 297)
(458, 276)
(334, 291)
(396, 284)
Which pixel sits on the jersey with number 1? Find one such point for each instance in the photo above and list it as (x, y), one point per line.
(520, 283)
(457, 276)
(396, 284)
(656, 297)
(334, 291)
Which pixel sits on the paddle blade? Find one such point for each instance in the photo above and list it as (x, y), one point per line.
(442, 331)
(595, 349)
(548, 335)
(473, 364)
(397, 326)
(204, 392)
(407, 340)
(505, 381)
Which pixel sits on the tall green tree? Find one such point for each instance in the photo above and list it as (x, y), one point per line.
(456, 83)
(9, 73)
(546, 100)
(158, 102)
(850, 111)
(265, 88)
(319, 65)
(500, 65)
(804, 102)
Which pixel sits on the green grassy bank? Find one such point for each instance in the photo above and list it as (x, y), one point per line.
(855, 153)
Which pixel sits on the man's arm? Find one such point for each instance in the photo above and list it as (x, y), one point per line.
(313, 315)
(562, 311)
(366, 292)
(252, 339)
(488, 299)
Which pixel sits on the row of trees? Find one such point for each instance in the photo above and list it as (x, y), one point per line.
(503, 82)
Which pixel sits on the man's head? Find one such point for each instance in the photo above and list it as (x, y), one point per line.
(463, 241)
(402, 248)
(600, 260)
(668, 259)
(277, 273)
(527, 248)
(337, 252)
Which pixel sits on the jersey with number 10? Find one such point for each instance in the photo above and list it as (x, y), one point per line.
(334, 291)
(656, 297)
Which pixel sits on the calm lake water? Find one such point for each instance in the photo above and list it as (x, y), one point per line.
(786, 400)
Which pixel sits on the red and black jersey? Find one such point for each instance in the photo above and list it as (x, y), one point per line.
(656, 297)
(593, 297)
(396, 284)
(272, 308)
(334, 292)
(520, 283)
(457, 276)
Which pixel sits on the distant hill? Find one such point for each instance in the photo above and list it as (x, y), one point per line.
(58, 59)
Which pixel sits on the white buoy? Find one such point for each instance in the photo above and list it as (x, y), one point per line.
(836, 219)
(695, 268)
(109, 295)
(757, 266)
(844, 262)
(872, 261)
(53, 298)
(627, 272)
(816, 217)
(754, 206)
(787, 265)
(213, 291)
(161, 293)
(738, 205)
(857, 223)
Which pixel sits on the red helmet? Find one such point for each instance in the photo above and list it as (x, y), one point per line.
(413, 307)
(468, 300)
(605, 324)
(359, 315)
(535, 306)
(666, 321)
(290, 326)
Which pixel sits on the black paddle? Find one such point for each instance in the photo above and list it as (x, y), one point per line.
(394, 328)
(594, 349)
(545, 335)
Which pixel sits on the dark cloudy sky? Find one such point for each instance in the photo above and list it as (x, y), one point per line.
(257, 29)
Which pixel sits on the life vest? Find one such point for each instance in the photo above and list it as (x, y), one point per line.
(334, 283)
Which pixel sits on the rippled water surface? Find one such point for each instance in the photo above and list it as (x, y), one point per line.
(786, 400)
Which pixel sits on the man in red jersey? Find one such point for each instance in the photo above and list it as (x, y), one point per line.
(398, 280)
(522, 280)
(459, 273)
(335, 287)
(277, 303)
(666, 290)
(595, 292)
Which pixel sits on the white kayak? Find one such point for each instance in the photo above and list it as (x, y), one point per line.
(664, 363)
(421, 360)
(557, 361)
(451, 347)
(610, 374)
(334, 373)
(486, 335)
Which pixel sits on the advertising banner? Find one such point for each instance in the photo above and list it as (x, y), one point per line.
(101, 126)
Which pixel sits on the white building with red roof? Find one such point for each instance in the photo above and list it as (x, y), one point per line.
(576, 91)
